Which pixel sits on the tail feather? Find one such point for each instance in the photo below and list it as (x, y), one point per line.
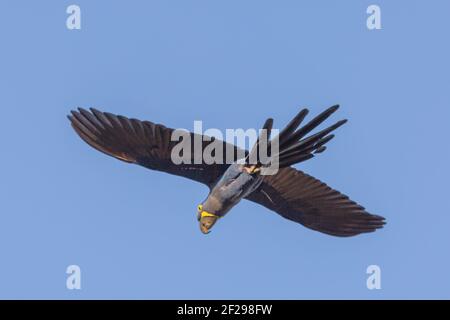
(262, 141)
(307, 128)
(312, 140)
(294, 143)
(292, 125)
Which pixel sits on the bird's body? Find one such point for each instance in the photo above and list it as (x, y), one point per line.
(289, 192)
(235, 184)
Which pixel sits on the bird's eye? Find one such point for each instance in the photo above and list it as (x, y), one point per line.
(200, 209)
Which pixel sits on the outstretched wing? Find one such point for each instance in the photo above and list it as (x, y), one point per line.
(147, 144)
(301, 198)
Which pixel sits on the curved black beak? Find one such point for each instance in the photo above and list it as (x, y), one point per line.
(206, 223)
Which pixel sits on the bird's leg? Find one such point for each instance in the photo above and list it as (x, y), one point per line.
(252, 169)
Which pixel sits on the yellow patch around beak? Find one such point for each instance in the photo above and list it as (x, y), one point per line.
(207, 214)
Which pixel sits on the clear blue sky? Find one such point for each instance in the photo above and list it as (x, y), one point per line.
(231, 64)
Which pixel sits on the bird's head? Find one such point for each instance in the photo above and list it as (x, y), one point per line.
(206, 219)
